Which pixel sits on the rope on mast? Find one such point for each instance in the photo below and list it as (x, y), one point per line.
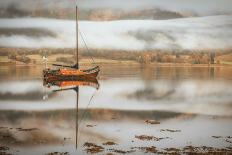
(82, 37)
(84, 114)
(78, 30)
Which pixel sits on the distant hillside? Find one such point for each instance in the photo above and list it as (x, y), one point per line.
(141, 14)
(12, 11)
(90, 14)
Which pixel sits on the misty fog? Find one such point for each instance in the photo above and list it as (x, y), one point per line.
(212, 32)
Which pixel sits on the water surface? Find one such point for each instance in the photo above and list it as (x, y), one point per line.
(175, 106)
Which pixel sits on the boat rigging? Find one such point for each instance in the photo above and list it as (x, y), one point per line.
(72, 72)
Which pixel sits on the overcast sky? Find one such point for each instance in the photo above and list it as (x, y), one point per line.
(200, 7)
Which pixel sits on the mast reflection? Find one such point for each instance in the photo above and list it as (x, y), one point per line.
(72, 85)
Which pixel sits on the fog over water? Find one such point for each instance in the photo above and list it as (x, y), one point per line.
(213, 32)
(160, 95)
(203, 24)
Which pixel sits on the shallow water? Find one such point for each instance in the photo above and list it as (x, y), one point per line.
(190, 105)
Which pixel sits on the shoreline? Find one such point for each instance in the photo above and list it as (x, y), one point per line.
(123, 63)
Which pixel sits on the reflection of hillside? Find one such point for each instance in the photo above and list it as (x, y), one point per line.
(12, 137)
(90, 114)
(184, 91)
(46, 133)
(12, 72)
(29, 96)
(49, 124)
(150, 94)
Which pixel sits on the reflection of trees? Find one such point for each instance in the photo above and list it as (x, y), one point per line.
(28, 96)
(211, 72)
(63, 121)
(11, 137)
(150, 73)
(59, 117)
(150, 94)
(24, 72)
(173, 75)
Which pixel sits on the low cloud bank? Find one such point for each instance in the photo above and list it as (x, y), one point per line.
(188, 96)
(213, 32)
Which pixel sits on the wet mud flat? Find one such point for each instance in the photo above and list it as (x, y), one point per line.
(109, 148)
(92, 148)
(113, 132)
(136, 144)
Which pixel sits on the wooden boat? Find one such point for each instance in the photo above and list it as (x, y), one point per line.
(71, 72)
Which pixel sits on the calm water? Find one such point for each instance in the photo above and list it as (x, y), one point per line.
(192, 104)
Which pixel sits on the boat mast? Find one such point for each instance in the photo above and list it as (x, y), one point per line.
(77, 65)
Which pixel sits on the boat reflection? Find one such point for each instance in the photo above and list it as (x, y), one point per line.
(72, 85)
